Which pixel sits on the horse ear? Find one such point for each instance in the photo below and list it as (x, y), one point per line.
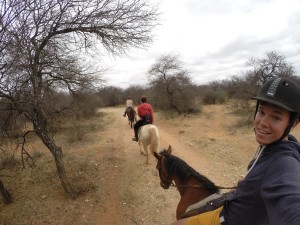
(169, 149)
(156, 155)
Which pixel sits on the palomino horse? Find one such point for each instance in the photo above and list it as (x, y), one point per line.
(131, 114)
(149, 139)
(192, 186)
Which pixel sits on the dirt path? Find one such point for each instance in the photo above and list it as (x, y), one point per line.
(134, 195)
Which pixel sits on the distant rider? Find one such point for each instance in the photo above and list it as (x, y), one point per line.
(129, 104)
(145, 113)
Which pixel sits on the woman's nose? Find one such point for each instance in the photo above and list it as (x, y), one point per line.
(264, 121)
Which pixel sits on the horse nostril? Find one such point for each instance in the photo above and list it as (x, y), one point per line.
(164, 186)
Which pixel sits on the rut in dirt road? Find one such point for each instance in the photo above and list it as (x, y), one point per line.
(132, 191)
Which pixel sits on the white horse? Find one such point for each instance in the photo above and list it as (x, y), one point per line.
(148, 137)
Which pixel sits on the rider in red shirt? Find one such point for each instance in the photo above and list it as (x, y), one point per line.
(145, 113)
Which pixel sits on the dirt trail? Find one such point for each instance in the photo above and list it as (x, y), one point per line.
(134, 195)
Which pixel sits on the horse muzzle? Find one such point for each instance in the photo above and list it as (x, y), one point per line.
(164, 185)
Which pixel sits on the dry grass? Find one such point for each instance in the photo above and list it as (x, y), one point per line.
(37, 186)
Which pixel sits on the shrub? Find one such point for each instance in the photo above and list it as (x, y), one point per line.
(210, 98)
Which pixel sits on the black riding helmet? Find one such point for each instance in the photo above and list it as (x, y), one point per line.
(282, 92)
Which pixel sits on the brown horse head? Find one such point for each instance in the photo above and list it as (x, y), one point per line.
(191, 185)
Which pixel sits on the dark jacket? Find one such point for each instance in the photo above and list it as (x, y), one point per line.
(270, 192)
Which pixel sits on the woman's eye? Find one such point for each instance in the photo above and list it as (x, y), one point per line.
(260, 112)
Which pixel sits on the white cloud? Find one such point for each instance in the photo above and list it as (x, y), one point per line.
(215, 38)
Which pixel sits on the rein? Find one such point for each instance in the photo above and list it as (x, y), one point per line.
(197, 186)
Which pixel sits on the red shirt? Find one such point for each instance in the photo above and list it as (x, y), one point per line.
(145, 109)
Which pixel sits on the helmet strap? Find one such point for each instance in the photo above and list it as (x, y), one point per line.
(256, 109)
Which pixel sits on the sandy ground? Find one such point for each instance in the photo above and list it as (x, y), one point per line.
(121, 189)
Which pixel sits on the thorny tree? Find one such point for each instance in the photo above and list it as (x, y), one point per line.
(172, 84)
(38, 38)
(272, 65)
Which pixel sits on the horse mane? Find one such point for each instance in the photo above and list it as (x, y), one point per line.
(177, 167)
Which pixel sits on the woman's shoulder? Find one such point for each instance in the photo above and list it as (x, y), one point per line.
(290, 148)
(292, 138)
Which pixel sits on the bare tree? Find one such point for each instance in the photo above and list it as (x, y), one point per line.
(272, 65)
(111, 96)
(135, 92)
(247, 84)
(38, 41)
(171, 83)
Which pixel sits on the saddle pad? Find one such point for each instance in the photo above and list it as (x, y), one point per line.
(203, 202)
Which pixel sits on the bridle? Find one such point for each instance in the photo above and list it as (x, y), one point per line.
(163, 184)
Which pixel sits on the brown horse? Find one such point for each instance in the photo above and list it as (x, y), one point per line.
(131, 114)
(191, 185)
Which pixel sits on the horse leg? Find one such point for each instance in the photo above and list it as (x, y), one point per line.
(146, 146)
(142, 151)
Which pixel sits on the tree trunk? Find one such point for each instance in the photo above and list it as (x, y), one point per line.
(6, 197)
(39, 124)
(175, 107)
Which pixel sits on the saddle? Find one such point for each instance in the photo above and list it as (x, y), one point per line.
(129, 108)
(210, 203)
(147, 119)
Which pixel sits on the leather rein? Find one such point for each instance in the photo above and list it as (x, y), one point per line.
(197, 186)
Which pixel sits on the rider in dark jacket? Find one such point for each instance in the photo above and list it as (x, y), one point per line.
(270, 192)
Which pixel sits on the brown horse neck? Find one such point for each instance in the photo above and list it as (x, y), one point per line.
(191, 187)
(191, 192)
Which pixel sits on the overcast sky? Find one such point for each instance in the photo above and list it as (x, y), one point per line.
(214, 38)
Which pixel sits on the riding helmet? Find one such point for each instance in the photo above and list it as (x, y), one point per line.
(282, 92)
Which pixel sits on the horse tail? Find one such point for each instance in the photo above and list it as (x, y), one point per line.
(154, 139)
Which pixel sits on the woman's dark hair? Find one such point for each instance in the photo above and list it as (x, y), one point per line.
(143, 99)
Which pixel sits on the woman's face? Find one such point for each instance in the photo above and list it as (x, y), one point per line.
(270, 123)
